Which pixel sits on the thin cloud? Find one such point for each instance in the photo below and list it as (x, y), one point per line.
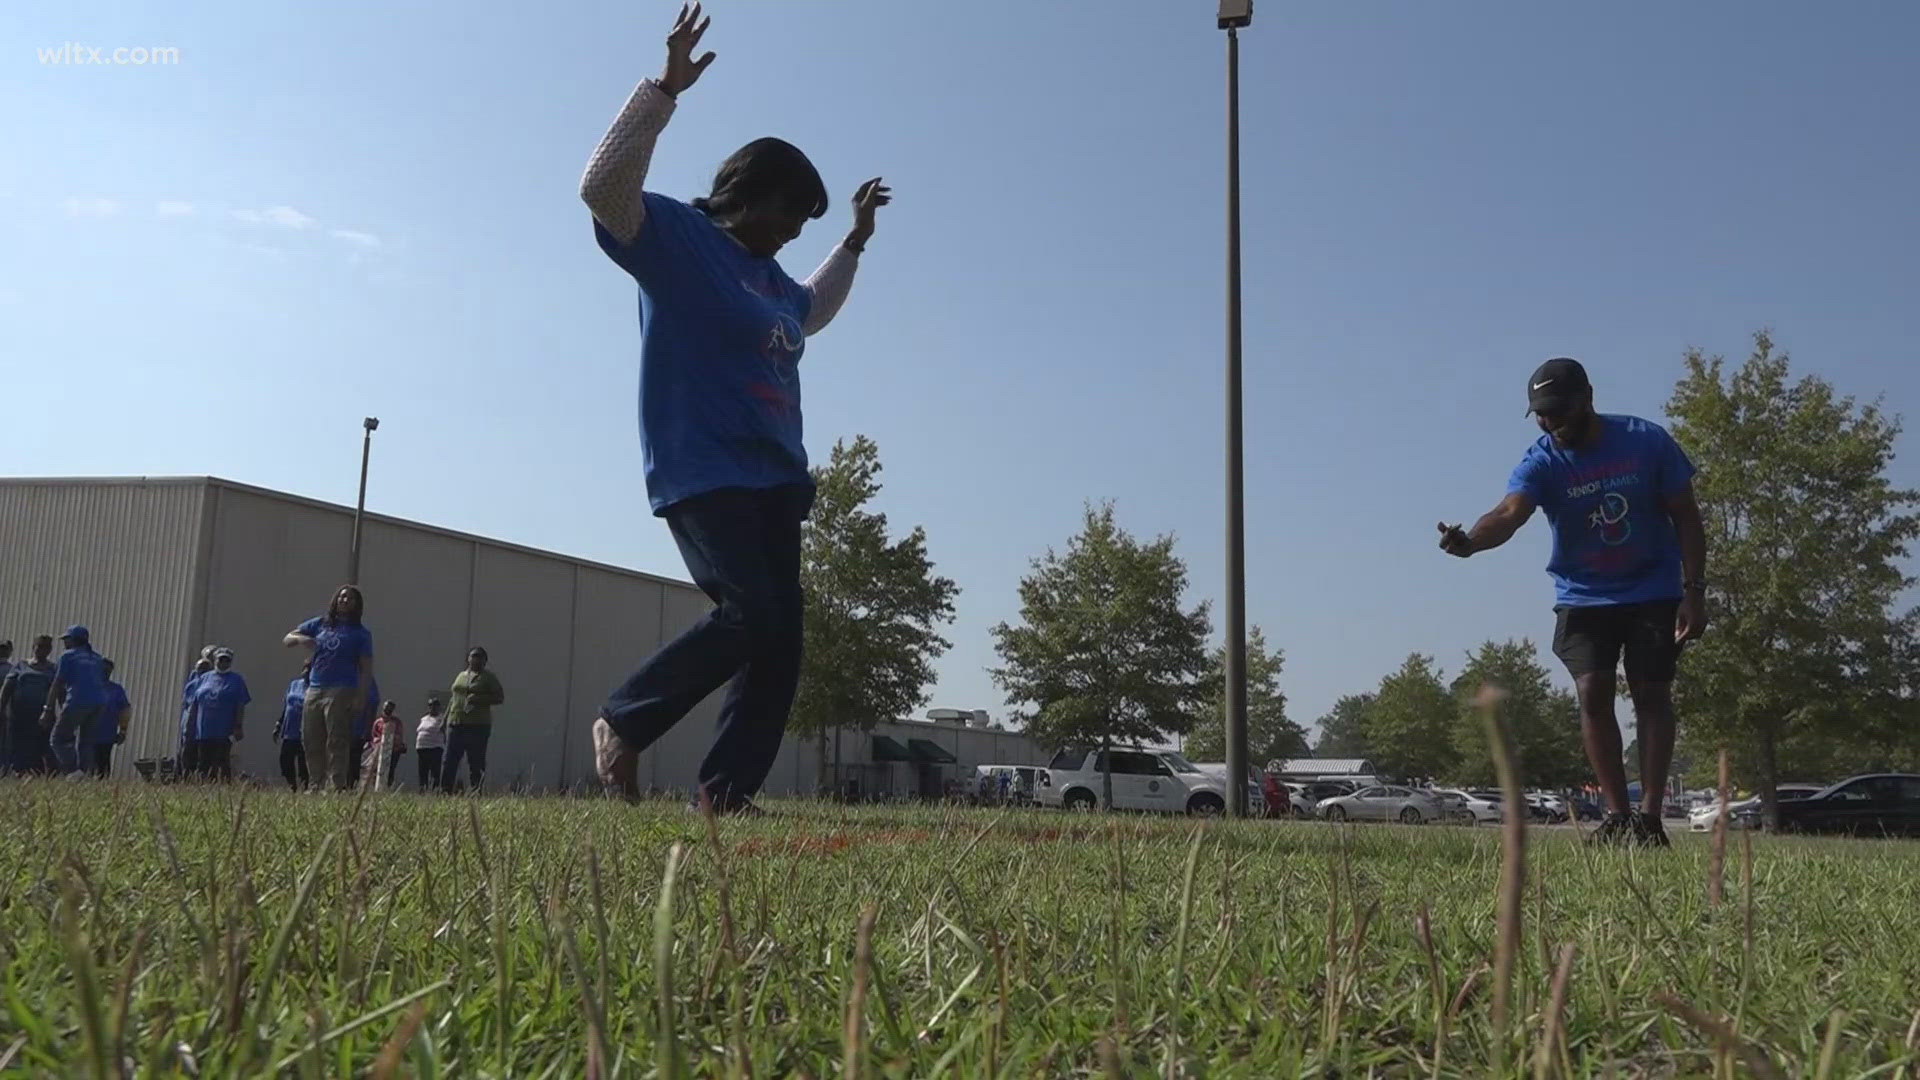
(90, 207)
(174, 208)
(283, 216)
(357, 238)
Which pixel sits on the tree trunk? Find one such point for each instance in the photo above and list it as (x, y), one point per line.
(1769, 778)
(1106, 771)
(836, 761)
(821, 784)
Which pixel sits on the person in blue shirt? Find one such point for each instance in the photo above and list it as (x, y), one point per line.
(23, 699)
(219, 706)
(110, 729)
(1629, 570)
(287, 731)
(184, 763)
(74, 701)
(722, 330)
(342, 665)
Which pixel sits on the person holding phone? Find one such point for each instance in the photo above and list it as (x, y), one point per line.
(1629, 569)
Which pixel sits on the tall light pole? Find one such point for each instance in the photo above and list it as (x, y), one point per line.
(1235, 14)
(369, 425)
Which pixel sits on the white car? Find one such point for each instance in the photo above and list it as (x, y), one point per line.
(1302, 802)
(1143, 779)
(1702, 817)
(1477, 807)
(1384, 802)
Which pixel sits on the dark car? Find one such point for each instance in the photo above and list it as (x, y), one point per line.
(1879, 804)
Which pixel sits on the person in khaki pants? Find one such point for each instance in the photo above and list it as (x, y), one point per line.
(342, 669)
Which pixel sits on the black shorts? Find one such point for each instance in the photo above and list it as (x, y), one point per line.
(1589, 640)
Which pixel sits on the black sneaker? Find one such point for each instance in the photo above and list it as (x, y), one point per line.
(1650, 831)
(1616, 829)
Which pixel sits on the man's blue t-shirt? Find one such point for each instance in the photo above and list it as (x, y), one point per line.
(720, 346)
(337, 649)
(1613, 542)
(217, 697)
(84, 674)
(107, 727)
(294, 710)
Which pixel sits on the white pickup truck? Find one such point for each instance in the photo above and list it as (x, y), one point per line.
(1143, 779)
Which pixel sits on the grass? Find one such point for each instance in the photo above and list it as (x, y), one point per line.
(211, 932)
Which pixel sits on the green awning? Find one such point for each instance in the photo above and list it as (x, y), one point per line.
(885, 749)
(928, 752)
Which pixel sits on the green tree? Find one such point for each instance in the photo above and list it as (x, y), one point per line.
(1104, 650)
(1545, 721)
(1343, 731)
(873, 604)
(1805, 535)
(1270, 734)
(1409, 728)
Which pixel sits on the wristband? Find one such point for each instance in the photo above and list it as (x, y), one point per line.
(1694, 586)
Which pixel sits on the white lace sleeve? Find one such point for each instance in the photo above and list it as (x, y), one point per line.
(616, 174)
(829, 286)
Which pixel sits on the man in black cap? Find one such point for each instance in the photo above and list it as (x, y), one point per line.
(78, 693)
(1629, 564)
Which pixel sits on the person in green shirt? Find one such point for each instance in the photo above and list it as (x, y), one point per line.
(470, 720)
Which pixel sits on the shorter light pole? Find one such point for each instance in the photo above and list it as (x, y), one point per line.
(371, 424)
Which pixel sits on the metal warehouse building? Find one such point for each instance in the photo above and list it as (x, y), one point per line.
(156, 568)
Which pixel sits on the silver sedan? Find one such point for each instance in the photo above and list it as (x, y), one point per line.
(1383, 803)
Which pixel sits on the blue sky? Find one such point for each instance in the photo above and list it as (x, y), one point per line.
(319, 213)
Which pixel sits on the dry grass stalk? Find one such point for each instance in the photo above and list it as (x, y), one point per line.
(1513, 868)
(854, 1053)
(387, 1065)
(1723, 1035)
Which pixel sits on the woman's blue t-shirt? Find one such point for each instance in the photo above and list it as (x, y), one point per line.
(720, 347)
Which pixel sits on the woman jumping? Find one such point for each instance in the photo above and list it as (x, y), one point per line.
(722, 328)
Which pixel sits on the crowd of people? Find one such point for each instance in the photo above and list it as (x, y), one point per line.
(65, 717)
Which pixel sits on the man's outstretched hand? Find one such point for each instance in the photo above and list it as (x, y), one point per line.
(1454, 540)
(682, 69)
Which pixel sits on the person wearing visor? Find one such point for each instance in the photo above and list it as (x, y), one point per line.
(1629, 571)
(722, 329)
(219, 710)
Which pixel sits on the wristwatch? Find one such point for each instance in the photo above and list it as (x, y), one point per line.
(1694, 586)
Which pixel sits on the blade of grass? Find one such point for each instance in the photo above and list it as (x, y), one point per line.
(1177, 987)
(348, 1028)
(669, 1059)
(1556, 1014)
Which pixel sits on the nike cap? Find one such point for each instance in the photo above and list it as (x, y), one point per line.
(1556, 385)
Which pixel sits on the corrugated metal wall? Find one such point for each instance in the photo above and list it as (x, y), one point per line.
(560, 633)
(119, 558)
(122, 555)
